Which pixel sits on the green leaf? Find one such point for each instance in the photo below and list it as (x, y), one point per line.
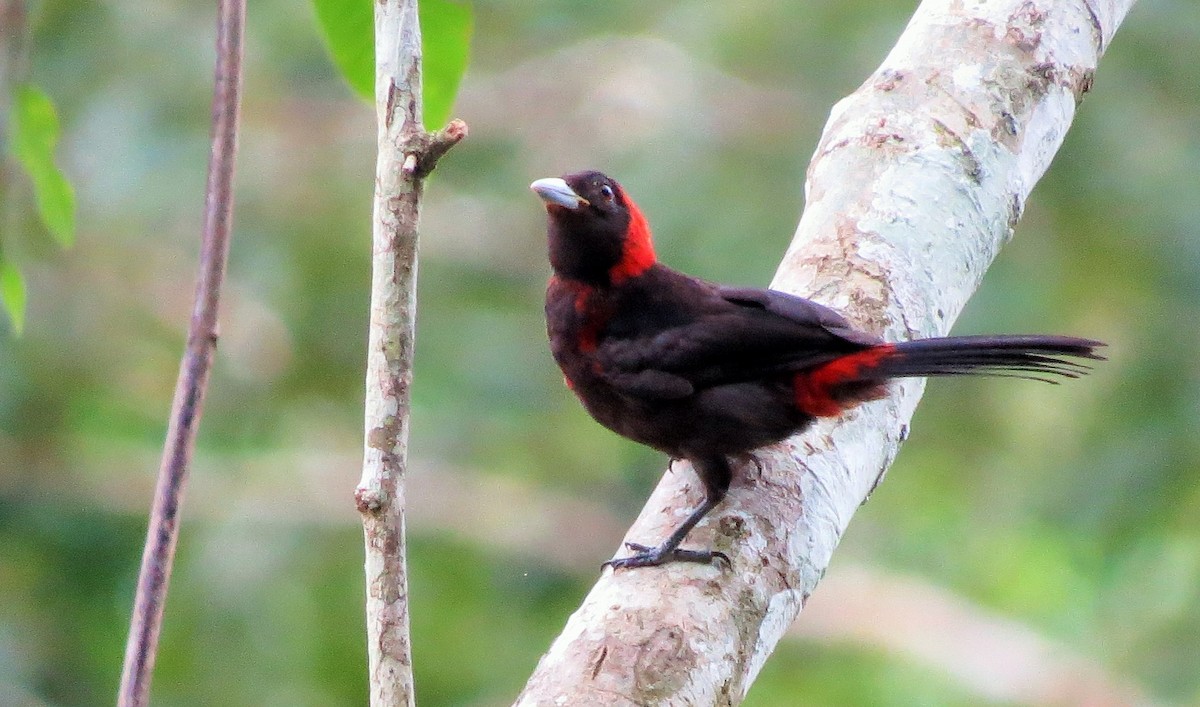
(12, 294)
(35, 132)
(445, 44)
(348, 28)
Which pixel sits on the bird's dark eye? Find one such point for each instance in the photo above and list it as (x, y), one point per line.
(606, 192)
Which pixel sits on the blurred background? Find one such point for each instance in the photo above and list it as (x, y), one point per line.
(1032, 545)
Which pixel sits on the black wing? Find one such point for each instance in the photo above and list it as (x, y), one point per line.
(799, 310)
(732, 335)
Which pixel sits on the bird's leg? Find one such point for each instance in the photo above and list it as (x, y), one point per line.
(716, 474)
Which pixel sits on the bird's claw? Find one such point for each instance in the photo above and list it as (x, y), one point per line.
(752, 458)
(646, 556)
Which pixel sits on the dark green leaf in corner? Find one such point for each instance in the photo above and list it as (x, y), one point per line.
(34, 134)
(12, 294)
(445, 44)
(348, 28)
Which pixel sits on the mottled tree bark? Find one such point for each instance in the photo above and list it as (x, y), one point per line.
(406, 155)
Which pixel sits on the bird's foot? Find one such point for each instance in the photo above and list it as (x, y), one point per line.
(645, 556)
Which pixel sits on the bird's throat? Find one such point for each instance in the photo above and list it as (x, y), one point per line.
(637, 252)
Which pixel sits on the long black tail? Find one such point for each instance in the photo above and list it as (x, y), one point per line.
(1022, 356)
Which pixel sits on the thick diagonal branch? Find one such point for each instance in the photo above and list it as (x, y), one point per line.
(919, 178)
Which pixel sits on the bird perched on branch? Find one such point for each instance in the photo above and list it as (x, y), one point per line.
(708, 373)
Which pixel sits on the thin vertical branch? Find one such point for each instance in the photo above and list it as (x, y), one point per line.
(406, 154)
(14, 29)
(142, 646)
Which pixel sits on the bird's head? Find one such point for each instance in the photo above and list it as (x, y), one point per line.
(596, 233)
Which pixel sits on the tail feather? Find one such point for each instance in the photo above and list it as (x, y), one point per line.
(1025, 356)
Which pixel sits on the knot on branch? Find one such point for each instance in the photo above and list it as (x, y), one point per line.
(422, 150)
(369, 499)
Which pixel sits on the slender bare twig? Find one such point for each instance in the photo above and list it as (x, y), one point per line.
(919, 178)
(190, 388)
(406, 155)
(14, 28)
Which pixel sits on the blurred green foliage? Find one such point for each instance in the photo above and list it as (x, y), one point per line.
(35, 132)
(12, 294)
(28, 136)
(1073, 510)
(348, 29)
